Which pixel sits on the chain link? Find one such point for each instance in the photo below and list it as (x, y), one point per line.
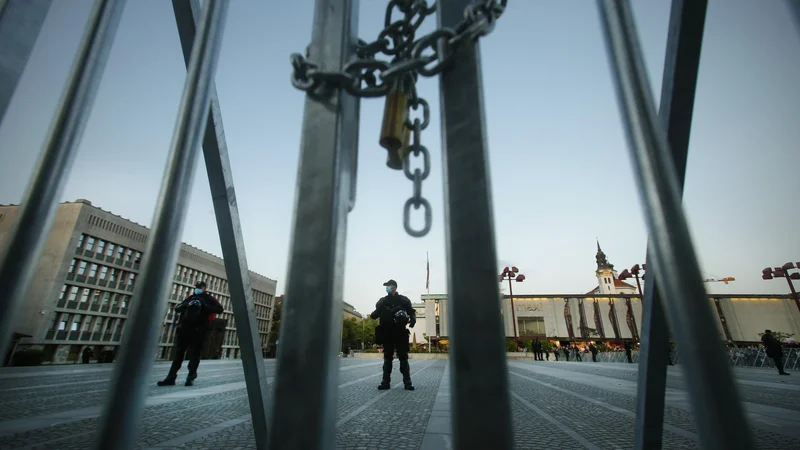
(417, 177)
(368, 77)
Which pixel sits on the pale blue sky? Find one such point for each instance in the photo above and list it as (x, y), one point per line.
(559, 160)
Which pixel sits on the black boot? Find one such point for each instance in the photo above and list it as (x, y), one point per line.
(190, 379)
(169, 381)
(406, 371)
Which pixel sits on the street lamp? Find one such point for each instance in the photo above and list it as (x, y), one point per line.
(630, 317)
(512, 274)
(634, 272)
(783, 272)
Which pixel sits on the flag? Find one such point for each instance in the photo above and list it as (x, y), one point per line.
(428, 273)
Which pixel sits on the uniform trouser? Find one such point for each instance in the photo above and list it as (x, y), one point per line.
(397, 343)
(187, 341)
(778, 361)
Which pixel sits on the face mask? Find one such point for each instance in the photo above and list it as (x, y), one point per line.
(198, 291)
(388, 289)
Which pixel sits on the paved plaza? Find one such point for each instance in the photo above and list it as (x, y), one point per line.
(556, 405)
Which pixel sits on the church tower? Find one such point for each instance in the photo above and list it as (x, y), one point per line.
(605, 273)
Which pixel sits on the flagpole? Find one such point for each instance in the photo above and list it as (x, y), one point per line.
(428, 289)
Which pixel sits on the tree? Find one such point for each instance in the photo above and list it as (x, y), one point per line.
(276, 327)
(357, 332)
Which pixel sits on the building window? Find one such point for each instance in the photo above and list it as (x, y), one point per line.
(73, 294)
(101, 247)
(120, 251)
(82, 268)
(96, 298)
(531, 326)
(81, 241)
(113, 275)
(63, 325)
(128, 255)
(124, 301)
(110, 249)
(63, 292)
(106, 298)
(138, 259)
(85, 295)
(103, 272)
(75, 324)
(131, 279)
(115, 302)
(90, 243)
(72, 266)
(93, 271)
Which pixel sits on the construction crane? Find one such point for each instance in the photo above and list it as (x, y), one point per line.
(725, 280)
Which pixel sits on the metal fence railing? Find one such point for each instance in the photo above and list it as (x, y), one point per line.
(306, 380)
(737, 357)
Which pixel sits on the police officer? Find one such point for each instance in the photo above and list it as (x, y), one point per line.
(394, 312)
(196, 311)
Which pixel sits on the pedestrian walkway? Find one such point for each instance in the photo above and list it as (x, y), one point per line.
(562, 405)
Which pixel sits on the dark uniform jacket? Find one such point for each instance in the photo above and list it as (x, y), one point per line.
(385, 310)
(210, 306)
(772, 344)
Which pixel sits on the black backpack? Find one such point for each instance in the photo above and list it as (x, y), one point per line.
(193, 315)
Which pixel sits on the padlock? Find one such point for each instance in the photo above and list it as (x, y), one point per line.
(394, 159)
(394, 120)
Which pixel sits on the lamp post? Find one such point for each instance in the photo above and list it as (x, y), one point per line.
(783, 272)
(631, 319)
(512, 274)
(634, 272)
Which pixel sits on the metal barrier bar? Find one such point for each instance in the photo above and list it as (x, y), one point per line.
(794, 9)
(223, 195)
(715, 400)
(38, 209)
(480, 391)
(678, 85)
(121, 415)
(20, 24)
(307, 370)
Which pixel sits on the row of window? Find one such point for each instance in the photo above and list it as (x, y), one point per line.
(217, 286)
(180, 292)
(76, 296)
(85, 327)
(99, 246)
(79, 267)
(192, 276)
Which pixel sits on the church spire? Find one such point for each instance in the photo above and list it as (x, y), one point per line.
(602, 261)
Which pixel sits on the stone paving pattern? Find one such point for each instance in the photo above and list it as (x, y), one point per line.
(555, 405)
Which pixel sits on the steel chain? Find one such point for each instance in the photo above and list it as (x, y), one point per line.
(368, 77)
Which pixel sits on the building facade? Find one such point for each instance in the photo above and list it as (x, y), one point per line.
(739, 318)
(84, 284)
(350, 312)
(419, 334)
(612, 311)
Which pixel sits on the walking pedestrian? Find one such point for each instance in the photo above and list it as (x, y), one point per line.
(774, 350)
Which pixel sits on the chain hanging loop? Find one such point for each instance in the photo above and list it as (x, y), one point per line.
(368, 77)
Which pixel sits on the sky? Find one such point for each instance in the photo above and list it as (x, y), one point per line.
(560, 169)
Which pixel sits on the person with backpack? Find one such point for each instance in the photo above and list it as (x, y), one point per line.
(193, 327)
(395, 312)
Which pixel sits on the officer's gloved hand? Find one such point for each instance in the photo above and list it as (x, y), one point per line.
(412, 323)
